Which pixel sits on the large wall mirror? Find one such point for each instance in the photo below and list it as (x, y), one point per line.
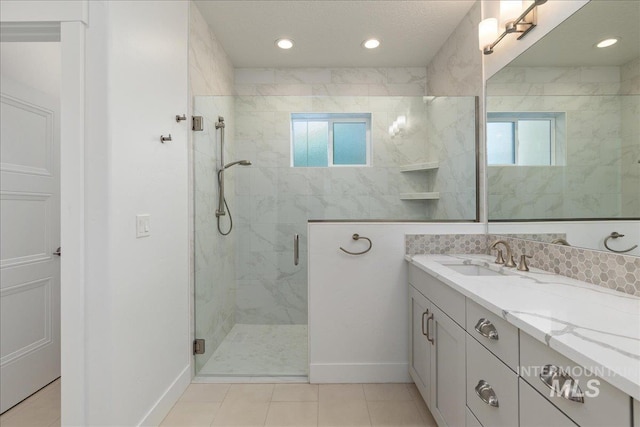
(563, 133)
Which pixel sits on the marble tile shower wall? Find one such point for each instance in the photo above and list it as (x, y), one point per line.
(597, 131)
(451, 132)
(456, 70)
(274, 200)
(398, 81)
(210, 69)
(630, 169)
(613, 271)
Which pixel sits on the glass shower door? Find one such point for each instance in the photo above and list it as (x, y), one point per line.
(250, 297)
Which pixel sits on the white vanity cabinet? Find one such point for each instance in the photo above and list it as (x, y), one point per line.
(536, 411)
(437, 353)
(492, 388)
(601, 405)
(469, 365)
(420, 352)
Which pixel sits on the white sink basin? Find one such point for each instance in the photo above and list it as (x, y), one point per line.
(473, 270)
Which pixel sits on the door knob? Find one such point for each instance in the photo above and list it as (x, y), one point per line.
(58, 251)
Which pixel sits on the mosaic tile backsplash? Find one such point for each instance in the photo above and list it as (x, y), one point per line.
(614, 271)
(445, 244)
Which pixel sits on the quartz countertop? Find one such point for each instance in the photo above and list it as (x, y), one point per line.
(596, 327)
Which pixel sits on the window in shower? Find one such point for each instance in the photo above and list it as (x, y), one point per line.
(326, 139)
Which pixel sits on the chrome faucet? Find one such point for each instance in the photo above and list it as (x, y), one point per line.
(510, 261)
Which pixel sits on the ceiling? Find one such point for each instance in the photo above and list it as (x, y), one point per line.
(573, 42)
(330, 33)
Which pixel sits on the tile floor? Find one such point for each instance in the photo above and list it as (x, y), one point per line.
(39, 410)
(300, 405)
(260, 350)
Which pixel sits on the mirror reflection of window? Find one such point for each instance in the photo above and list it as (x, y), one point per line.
(524, 139)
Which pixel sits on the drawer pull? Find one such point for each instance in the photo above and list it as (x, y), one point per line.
(423, 332)
(486, 394)
(431, 340)
(561, 383)
(485, 328)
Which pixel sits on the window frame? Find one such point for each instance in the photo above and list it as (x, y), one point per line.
(330, 119)
(515, 118)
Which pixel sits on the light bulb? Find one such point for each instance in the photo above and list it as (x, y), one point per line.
(607, 42)
(371, 43)
(509, 11)
(487, 32)
(284, 43)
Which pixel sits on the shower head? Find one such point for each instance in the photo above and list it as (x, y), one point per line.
(239, 162)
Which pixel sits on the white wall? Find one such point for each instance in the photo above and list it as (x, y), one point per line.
(137, 328)
(358, 315)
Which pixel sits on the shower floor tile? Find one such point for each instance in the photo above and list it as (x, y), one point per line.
(260, 350)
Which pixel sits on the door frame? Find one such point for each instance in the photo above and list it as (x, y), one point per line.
(72, 18)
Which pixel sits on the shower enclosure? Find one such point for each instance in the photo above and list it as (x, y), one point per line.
(250, 296)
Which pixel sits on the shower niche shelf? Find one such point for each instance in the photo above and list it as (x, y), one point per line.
(420, 196)
(419, 167)
(425, 166)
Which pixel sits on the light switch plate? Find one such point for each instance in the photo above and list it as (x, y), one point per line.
(143, 225)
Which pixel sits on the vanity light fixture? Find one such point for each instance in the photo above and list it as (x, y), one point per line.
(513, 20)
(607, 42)
(371, 43)
(284, 43)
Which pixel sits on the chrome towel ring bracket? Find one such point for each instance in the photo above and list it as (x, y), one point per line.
(616, 235)
(358, 237)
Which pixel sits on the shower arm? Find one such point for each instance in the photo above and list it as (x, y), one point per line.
(220, 211)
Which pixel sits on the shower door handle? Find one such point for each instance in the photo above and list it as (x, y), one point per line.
(296, 249)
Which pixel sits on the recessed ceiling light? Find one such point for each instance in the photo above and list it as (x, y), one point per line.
(371, 43)
(607, 42)
(284, 43)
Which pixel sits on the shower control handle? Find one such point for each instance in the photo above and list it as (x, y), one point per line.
(296, 249)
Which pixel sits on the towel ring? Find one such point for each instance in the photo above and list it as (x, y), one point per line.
(358, 237)
(615, 235)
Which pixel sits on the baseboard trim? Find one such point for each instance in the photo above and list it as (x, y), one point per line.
(171, 395)
(359, 373)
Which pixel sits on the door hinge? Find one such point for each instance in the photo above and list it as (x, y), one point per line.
(197, 123)
(198, 346)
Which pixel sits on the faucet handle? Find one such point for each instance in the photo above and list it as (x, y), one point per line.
(499, 258)
(522, 266)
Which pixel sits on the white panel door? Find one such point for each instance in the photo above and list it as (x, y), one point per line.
(29, 235)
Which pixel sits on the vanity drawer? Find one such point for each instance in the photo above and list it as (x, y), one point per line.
(500, 382)
(471, 420)
(504, 343)
(536, 411)
(610, 407)
(447, 299)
